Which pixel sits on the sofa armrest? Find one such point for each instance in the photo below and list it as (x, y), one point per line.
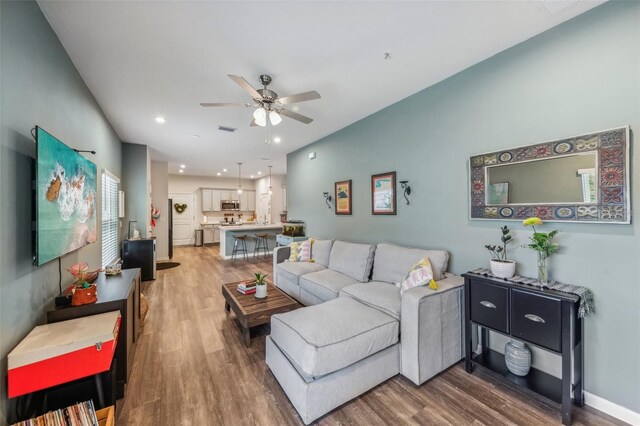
(431, 329)
(280, 254)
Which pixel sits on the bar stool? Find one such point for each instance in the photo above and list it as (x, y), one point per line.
(239, 246)
(261, 245)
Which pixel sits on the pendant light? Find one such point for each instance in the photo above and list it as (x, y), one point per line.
(270, 187)
(274, 118)
(239, 182)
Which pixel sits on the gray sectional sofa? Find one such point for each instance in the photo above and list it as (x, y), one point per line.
(356, 330)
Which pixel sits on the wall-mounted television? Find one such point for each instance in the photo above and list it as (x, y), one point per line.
(66, 187)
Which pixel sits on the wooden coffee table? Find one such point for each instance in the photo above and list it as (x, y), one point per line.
(252, 312)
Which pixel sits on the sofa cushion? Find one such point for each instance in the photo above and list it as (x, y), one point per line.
(330, 336)
(392, 263)
(325, 284)
(321, 250)
(300, 251)
(352, 259)
(377, 294)
(293, 270)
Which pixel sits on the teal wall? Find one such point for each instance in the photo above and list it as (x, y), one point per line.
(579, 77)
(38, 85)
(135, 160)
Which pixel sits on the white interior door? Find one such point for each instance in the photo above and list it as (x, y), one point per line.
(184, 223)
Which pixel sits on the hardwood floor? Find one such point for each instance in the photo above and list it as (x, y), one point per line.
(191, 368)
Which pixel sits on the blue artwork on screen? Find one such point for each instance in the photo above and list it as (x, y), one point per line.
(66, 199)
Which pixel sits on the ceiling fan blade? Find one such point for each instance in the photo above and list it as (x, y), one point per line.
(253, 123)
(225, 104)
(240, 81)
(300, 97)
(298, 117)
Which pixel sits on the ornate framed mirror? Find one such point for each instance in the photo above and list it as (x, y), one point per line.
(582, 179)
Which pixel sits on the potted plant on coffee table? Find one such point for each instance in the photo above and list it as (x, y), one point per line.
(501, 266)
(261, 285)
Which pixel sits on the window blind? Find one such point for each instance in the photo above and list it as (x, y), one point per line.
(109, 218)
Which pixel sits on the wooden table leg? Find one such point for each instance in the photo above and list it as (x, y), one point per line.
(246, 336)
(227, 307)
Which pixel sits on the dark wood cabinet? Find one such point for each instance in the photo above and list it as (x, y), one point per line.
(120, 292)
(543, 318)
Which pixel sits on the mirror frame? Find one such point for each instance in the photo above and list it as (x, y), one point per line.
(612, 174)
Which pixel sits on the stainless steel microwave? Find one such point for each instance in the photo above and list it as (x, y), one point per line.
(229, 205)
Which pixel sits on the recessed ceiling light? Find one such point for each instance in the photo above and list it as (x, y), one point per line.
(181, 171)
(277, 139)
(251, 176)
(224, 170)
(160, 119)
(218, 173)
(259, 173)
(182, 166)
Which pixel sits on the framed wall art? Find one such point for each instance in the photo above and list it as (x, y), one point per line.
(383, 194)
(343, 197)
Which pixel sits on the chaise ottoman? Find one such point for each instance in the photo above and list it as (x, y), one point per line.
(328, 354)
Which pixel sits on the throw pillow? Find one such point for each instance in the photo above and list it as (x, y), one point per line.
(300, 251)
(420, 274)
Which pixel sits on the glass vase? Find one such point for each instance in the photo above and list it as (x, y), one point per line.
(543, 268)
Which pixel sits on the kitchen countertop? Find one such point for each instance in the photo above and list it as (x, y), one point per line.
(248, 227)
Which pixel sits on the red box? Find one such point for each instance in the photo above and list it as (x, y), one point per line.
(61, 352)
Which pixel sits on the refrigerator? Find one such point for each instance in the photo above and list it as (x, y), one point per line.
(140, 254)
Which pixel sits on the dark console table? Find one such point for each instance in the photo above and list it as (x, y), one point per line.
(546, 319)
(118, 292)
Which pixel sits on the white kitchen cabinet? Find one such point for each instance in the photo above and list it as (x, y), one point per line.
(235, 196)
(215, 200)
(216, 235)
(251, 201)
(243, 201)
(206, 200)
(208, 234)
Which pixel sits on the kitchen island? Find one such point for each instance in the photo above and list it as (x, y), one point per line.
(228, 231)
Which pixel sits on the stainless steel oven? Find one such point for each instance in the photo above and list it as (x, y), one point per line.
(229, 205)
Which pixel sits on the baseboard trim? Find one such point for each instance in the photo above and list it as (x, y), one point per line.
(612, 409)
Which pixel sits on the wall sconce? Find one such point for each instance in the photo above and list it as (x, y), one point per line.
(327, 199)
(404, 184)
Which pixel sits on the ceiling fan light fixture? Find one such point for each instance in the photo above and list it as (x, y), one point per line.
(274, 118)
(260, 115)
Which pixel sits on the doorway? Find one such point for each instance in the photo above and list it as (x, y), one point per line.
(184, 223)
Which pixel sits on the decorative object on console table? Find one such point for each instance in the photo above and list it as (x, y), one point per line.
(383, 194)
(343, 197)
(261, 285)
(517, 357)
(119, 292)
(542, 243)
(82, 291)
(549, 319)
(502, 267)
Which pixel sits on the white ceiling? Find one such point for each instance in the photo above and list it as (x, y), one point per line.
(149, 58)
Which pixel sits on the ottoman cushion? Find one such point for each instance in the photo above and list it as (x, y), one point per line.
(325, 338)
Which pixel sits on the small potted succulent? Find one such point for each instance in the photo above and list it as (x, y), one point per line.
(501, 266)
(261, 285)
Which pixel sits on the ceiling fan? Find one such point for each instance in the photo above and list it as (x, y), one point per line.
(267, 103)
